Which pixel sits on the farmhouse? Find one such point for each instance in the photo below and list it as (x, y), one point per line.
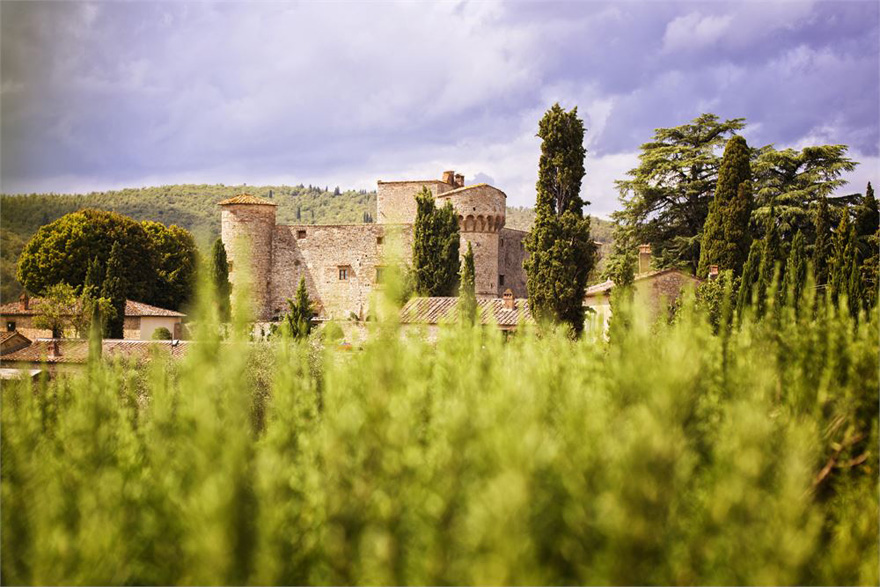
(343, 263)
(141, 320)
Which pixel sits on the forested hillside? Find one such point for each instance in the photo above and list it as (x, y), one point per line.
(194, 207)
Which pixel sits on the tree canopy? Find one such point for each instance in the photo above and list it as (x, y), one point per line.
(435, 247)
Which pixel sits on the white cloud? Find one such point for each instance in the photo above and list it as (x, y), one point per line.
(695, 31)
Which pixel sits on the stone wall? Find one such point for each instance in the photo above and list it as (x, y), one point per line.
(396, 202)
(511, 255)
(131, 328)
(320, 252)
(247, 231)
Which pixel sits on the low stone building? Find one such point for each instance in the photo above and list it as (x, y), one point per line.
(657, 289)
(141, 320)
(344, 263)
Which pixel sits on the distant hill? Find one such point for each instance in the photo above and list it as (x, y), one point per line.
(194, 207)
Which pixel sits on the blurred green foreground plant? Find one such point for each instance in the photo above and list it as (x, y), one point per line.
(669, 455)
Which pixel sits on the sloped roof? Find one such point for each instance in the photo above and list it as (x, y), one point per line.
(607, 286)
(132, 309)
(466, 188)
(77, 350)
(246, 199)
(12, 341)
(443, 310)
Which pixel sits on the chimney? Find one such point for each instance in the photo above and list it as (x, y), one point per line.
(449, 177)
(24, 302)
(644, 258)
(509, 302)
(54, 349)
(713, 272)
(459, 180)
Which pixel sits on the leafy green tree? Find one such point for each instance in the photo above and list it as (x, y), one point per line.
(435, 247)
(726, 236)
(750, 277)
(666, 201)
(113, 290)
(297, 323)
(561, 252)
(57, 309)
(161, 333)
(796, 270)
(793, 181)
(176, 255)
(62, 250)
(467, 296)
(824, 247)
(220, 279)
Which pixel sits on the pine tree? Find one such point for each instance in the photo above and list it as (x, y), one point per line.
(561, 251)
(298, 320)
(467, 296)
(796, 270)
(750, 278)
(220, 279)
(823, 249)
(114, 290)
(435, 247)
(726, 238)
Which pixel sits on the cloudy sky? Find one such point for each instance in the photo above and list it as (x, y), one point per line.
(118, 94)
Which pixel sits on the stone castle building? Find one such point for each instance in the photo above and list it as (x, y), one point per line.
(343, 263)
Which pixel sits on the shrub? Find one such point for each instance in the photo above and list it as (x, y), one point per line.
(161, 333)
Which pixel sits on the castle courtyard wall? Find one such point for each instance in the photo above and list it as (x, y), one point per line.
(511, 255)
(318, 252)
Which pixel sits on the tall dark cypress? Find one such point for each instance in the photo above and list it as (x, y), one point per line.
(467, 295)
(750, 277)
(823, 249)
(435, 247)
(770, 256)
(796, 269)
(726, 237)
(114, 290)
(866, 222)
(844, 241)
(561, 251)
(220, 279)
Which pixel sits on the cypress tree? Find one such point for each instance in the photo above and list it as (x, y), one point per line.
(823, 248)
(866, 223)
(298, 320)
(467, 295)
(94, 278)
(220, 279)
(796, 270)
(854, 279)
(750, 277)
(561, 251)
(770, 255)
(435, 247)
(726, 237)
(114, 290)
(839, 267)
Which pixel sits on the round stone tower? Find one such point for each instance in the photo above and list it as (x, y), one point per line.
(247, 224)
(481, 213)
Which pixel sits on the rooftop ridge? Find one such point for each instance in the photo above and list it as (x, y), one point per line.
(246, 199)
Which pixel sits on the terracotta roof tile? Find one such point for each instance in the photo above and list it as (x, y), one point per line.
(132, 309)
(77, 350)
(246, 199)
(442, 310)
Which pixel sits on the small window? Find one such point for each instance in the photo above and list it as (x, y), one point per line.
(343, 274)
(229, 266)
(522, 247)
(500, 280)
(10, 326)
(296, 263)
(300, 234)
(501, 241)
(380, 240)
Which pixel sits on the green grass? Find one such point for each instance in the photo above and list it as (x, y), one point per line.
(667, 455)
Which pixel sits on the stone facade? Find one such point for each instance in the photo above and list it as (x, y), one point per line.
(342, 264)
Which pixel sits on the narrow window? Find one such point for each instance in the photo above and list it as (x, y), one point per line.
(300, 234)
(343, 273)
(500, 280)
(379, 240)
(380, 274)
(10, 326)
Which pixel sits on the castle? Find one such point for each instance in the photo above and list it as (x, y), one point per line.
(343, 263)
